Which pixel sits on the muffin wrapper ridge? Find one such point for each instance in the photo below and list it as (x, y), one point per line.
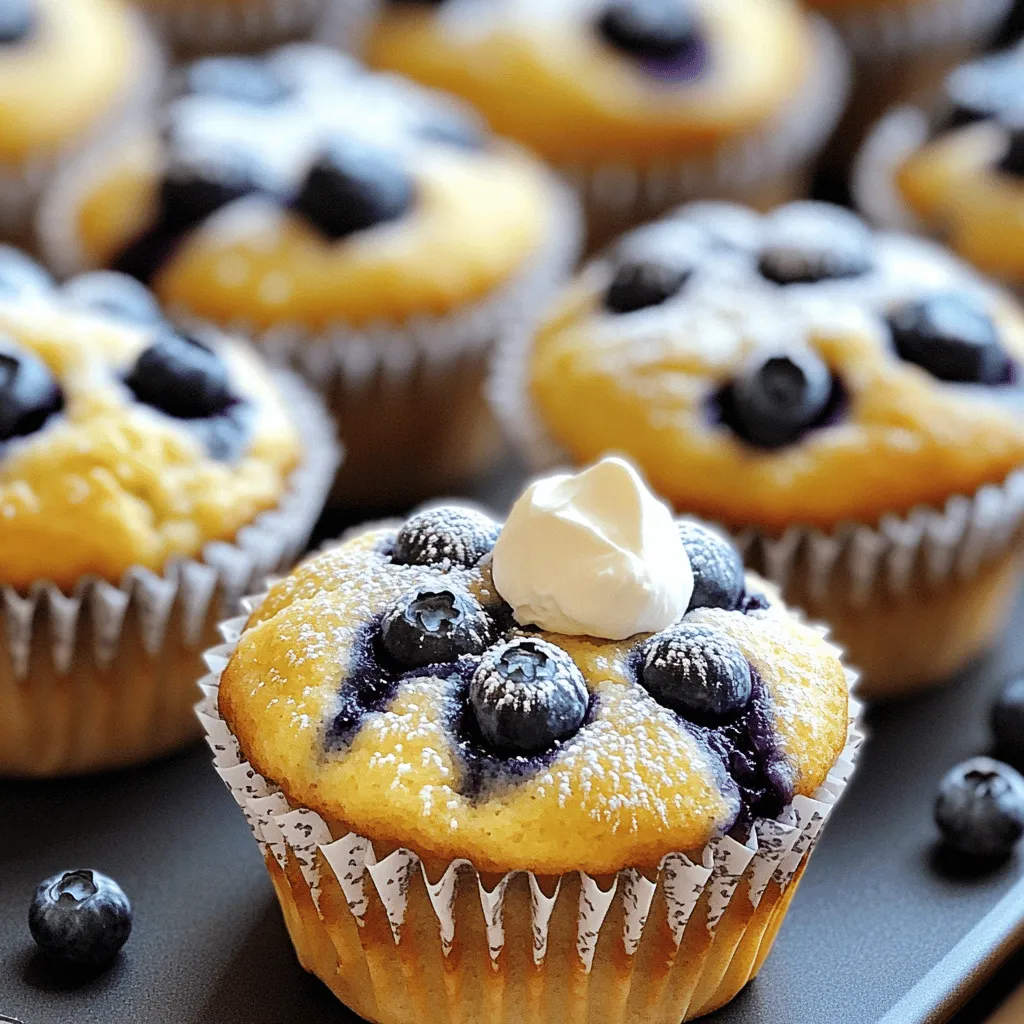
(21, 185)
(104, 676)
(763, 167)
(397, 939)
(195, 26)
(856, 566)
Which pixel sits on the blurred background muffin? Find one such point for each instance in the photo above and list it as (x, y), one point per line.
(356, 226)
(641, 103)
(841, 400)
(148, 478)
(958, 174)
(71, 71)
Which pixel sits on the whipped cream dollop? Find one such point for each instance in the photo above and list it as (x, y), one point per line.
(593, 554)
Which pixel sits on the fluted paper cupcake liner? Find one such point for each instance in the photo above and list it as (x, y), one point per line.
(879, 32)
(104, 675)
(21, 185)
(198, 26)
(765, 166)
(398, 938)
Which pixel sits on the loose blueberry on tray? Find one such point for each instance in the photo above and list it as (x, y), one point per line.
(81, 918)
(1008, 721)
(980, 809)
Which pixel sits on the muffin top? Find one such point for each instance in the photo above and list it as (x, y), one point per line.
(122, 442)
(62, 63)
(966, 181)
(299, 189)
(590, 686)
(791, 368)
(636, 79)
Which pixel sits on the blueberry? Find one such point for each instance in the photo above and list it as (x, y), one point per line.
(197, 184)
(950, 335)
(526, 695)
(809, 242)
(20, 275)
(716, 564)
(985, 88)
(695, 670)
(640, 284)
(80, 917)
(650, 28)
(448, 534)
(778, 395)
(1008, 721)
(353, 186)
(182, 377)
(244, 79)
(29, 395)
(17, 19)
(434, 625)
(114, 295)
(980, 808)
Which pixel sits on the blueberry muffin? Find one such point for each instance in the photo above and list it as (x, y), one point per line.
(587, 723)
(667, 99)
(192, 27)
(846, 402)
(70, 70)
(959, 174)
(363, 230)
(902, 50)
(148, 477)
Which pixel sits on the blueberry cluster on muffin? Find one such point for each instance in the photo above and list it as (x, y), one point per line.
(590, 689)
(959, 175)
(147, 475)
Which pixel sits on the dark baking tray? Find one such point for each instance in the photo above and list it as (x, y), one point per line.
(881, 928)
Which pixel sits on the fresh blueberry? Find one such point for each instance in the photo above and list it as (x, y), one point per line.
(716, 565)
(353, 186)
(985, 88)
(244, 79)
(695, 670)
(182, 377)
(17, 20)
(447, 534)
(640, 284)
(29, 395)
(434, 625)
(809, 242)
(980, 808)
(117, 296)
(951, 335)
(20, 275)
(197, 184)
(1008, 721)
(526, 695)
(779, 395)
(656, 29)
(80, 917)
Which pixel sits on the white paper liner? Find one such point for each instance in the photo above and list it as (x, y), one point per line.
(89, 619)
(878, 32)
(952, 542)
(22, 185)
(194, 26)
(775, 849)
(786, 145)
